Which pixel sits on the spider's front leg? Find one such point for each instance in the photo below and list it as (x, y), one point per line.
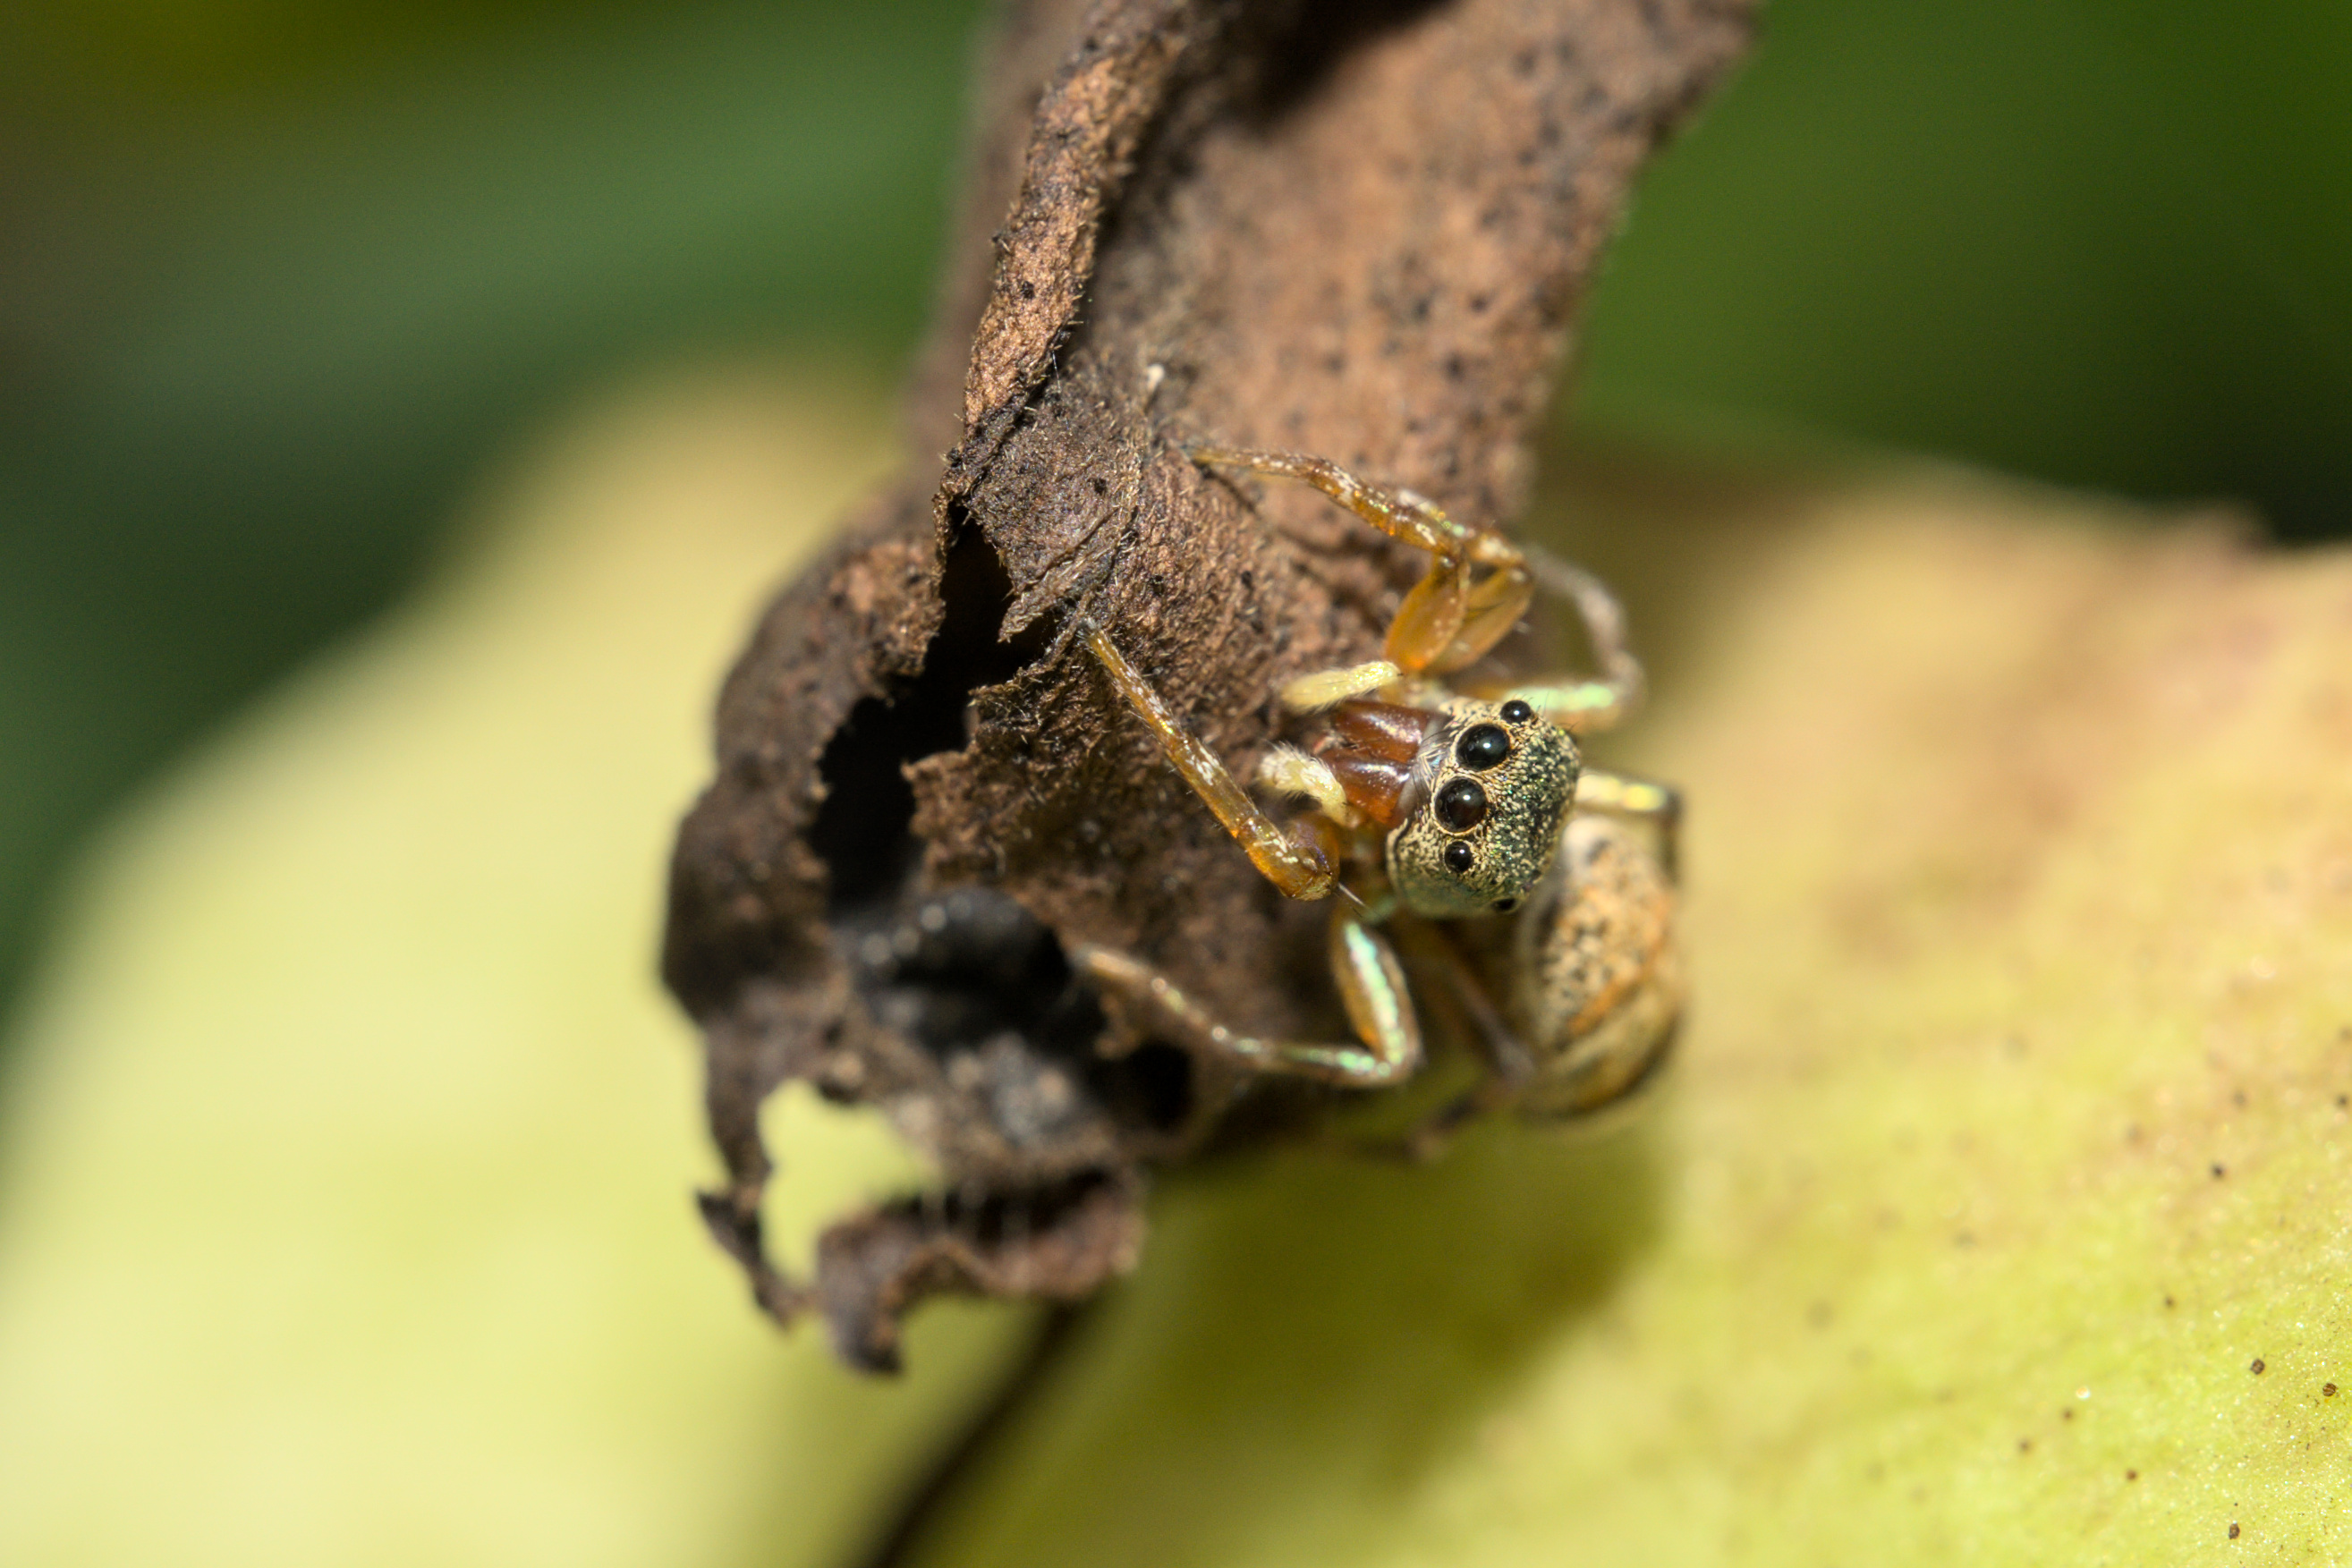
(1478, 583)
(1300, 858)
(1371, 986)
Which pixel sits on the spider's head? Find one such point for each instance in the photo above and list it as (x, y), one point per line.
(1492, 785)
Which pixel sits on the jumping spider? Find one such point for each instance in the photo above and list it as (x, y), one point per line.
(1437, 804)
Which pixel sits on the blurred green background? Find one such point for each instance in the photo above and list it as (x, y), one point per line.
(279, 279)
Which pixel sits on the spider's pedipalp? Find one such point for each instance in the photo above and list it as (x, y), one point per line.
(1286, 770)
(1327, 688)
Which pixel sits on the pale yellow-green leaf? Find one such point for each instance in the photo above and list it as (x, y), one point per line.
(348, 1147)
(343, 1215)
(2009, 1131)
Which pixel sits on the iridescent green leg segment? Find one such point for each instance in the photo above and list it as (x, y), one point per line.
(1371, 986)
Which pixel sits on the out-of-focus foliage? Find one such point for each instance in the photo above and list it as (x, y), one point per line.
(2101, 242)
(276, 281)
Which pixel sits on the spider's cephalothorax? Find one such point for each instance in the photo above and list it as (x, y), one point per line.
(1434, 804)
(1485, 803)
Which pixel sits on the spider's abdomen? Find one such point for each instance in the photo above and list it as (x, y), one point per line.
(1598, 984)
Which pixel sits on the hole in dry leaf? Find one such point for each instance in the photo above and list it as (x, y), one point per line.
(862, 831)
(967, 973)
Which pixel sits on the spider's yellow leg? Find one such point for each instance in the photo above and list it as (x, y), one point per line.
(1293, 858)
(1495, 605)
(1452, 616)
(1371, 986)
(1400, 515)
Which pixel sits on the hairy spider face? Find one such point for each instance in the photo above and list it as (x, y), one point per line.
(1491, 787)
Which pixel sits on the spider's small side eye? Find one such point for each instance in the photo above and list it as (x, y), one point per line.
(1517, 712)
(1504, 905)
(1483, 746)
(1459, 857)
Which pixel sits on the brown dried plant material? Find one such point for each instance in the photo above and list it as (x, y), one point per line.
(1352, 228)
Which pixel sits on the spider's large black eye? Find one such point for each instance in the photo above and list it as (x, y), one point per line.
(1517, 712)
(1482, 745)
(1462, 805)
(1459, 857)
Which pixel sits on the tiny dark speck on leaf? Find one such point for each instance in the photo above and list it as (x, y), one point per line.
(2025, 1445)
(2238, 1098)
(2234, 1530)
(2256, 1368)
(2343, 1101)
(2220, 1171)
(2131, 1475)
(2327, 1389)
(2167, 1303)
(2065, 1415)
